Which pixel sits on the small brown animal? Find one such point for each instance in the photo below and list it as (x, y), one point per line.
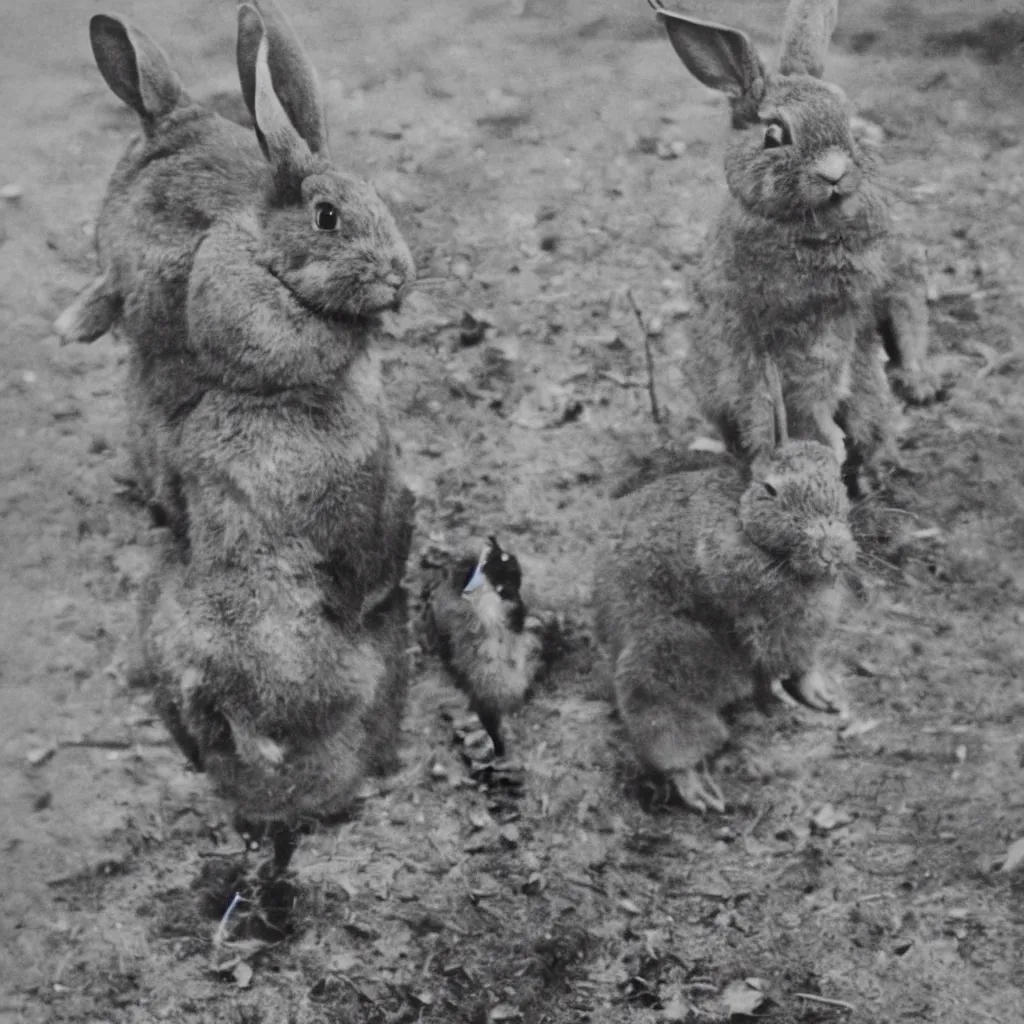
(716, 581)
(478, 622)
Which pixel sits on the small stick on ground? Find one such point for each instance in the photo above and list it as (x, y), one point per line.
(222, 928)
(655, 412)
(826, 1002)
(98, 744)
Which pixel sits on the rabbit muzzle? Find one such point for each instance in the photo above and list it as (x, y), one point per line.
(836, 549)
(829, 549)
(390, 286)
(833, 181)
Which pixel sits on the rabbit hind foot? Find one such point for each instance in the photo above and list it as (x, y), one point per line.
(698, 790)
(814, 690)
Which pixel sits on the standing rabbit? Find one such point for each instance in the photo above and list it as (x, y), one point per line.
(278, 650)
(186, 168)
(717, 581)
(801, 263)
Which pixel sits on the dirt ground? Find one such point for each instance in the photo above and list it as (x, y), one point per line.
(541, 162)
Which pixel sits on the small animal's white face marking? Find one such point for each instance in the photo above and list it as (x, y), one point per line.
(504, 556)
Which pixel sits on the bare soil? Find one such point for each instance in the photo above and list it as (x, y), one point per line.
(541, 163)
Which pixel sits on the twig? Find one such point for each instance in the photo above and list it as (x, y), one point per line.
(621, 382)
(749, 830)
(358, 991)
(222, 928)
(586, 883)
(655, 413)
(826, 1002)
(98, 744)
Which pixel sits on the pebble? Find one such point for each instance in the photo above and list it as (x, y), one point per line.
(40, 755)
(675, 309)
(12, 193)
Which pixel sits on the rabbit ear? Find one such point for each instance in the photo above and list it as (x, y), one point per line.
(293, 78)
(719, 57)
(135, 68)
(283, 146)
(780, 431)
(805, 36)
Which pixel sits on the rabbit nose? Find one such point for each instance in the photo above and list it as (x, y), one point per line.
(832, 167)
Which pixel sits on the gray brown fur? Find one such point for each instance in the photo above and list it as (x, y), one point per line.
(186, 168)
(798, 267)
(710, 587)
(278, 645)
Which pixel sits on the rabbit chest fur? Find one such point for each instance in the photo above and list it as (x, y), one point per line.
(764, 288)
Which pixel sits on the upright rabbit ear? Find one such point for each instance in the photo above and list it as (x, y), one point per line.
(780, 432)
(805, 36)
(135, 68)
(719, 57)
(292, 78)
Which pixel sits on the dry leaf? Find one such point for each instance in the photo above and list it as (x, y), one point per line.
(743, 997)
(707, 444)
(40, 755)
(479, 820)
(342, 963)
(503, 1011)
(509, 835)
(675, 1010)
(534, 885)
(1014, 857)
(859, 727)
(827, 819)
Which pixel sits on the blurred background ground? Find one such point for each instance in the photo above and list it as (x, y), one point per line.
(541, 159)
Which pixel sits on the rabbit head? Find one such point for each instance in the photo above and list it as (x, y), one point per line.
(793, 156)
(329, 238)
(795, 505)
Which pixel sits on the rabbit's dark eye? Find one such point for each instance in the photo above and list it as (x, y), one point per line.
(326, 217)
(775, 135)
(770, 490)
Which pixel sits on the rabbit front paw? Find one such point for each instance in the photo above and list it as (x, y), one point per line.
(916, 387)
